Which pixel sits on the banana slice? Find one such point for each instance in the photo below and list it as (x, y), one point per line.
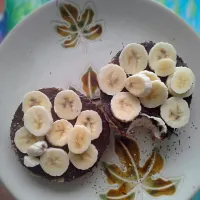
(54, 161)
(111, 79)
(182, 80)
(85, 160)
(157, 96)
(151, 75)
(58, 135)
(36, 98)
(183, 95)
(37, 149)
(92, 121)
(133, 58)
(30, 161)
(160, 51)
(79, 139)
(125, 106)
(165, 67)
(38, 120)
(67, 104)
(139, 85)
(24, 139)
(175, 112)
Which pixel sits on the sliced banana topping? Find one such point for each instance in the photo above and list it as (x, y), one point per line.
(182, 80)
(38, 120)
(58, 135)
(139, 85)
(133, 58)
(125, 106)
(24, 139)
(85, 160)
(157, 96)
(183, 95)
(30, 161)
(79, 139)
(37, 149)
(54, 161)
(111, 79)
(92, 121)
(175, 112)
(151, 75)
(67, 104)
(36, 98)
(165, 67)
(160, 51)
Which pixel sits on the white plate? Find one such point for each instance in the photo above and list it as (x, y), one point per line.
(32, 57)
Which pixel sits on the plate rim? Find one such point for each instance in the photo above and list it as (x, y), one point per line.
(153, 3)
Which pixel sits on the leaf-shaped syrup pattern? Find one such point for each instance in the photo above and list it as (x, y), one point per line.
(77, 26)
(89, 82)
(135, 180)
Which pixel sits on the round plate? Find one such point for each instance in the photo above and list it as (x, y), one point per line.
(50, 49)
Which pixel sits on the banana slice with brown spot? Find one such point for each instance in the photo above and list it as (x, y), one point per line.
(58, 135)
(133, 58)
(111, 79)
(36, 98)
(157, 96)
(85, 160)
(165, 67)
(38, 120)
(161, 50)
(54, 161)
(24, 139)
(92, 121)
(175, 112)
(79, 139)
(182, 80)
(67, 104)
(139, 85)
(125, 106)
(183, 95)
